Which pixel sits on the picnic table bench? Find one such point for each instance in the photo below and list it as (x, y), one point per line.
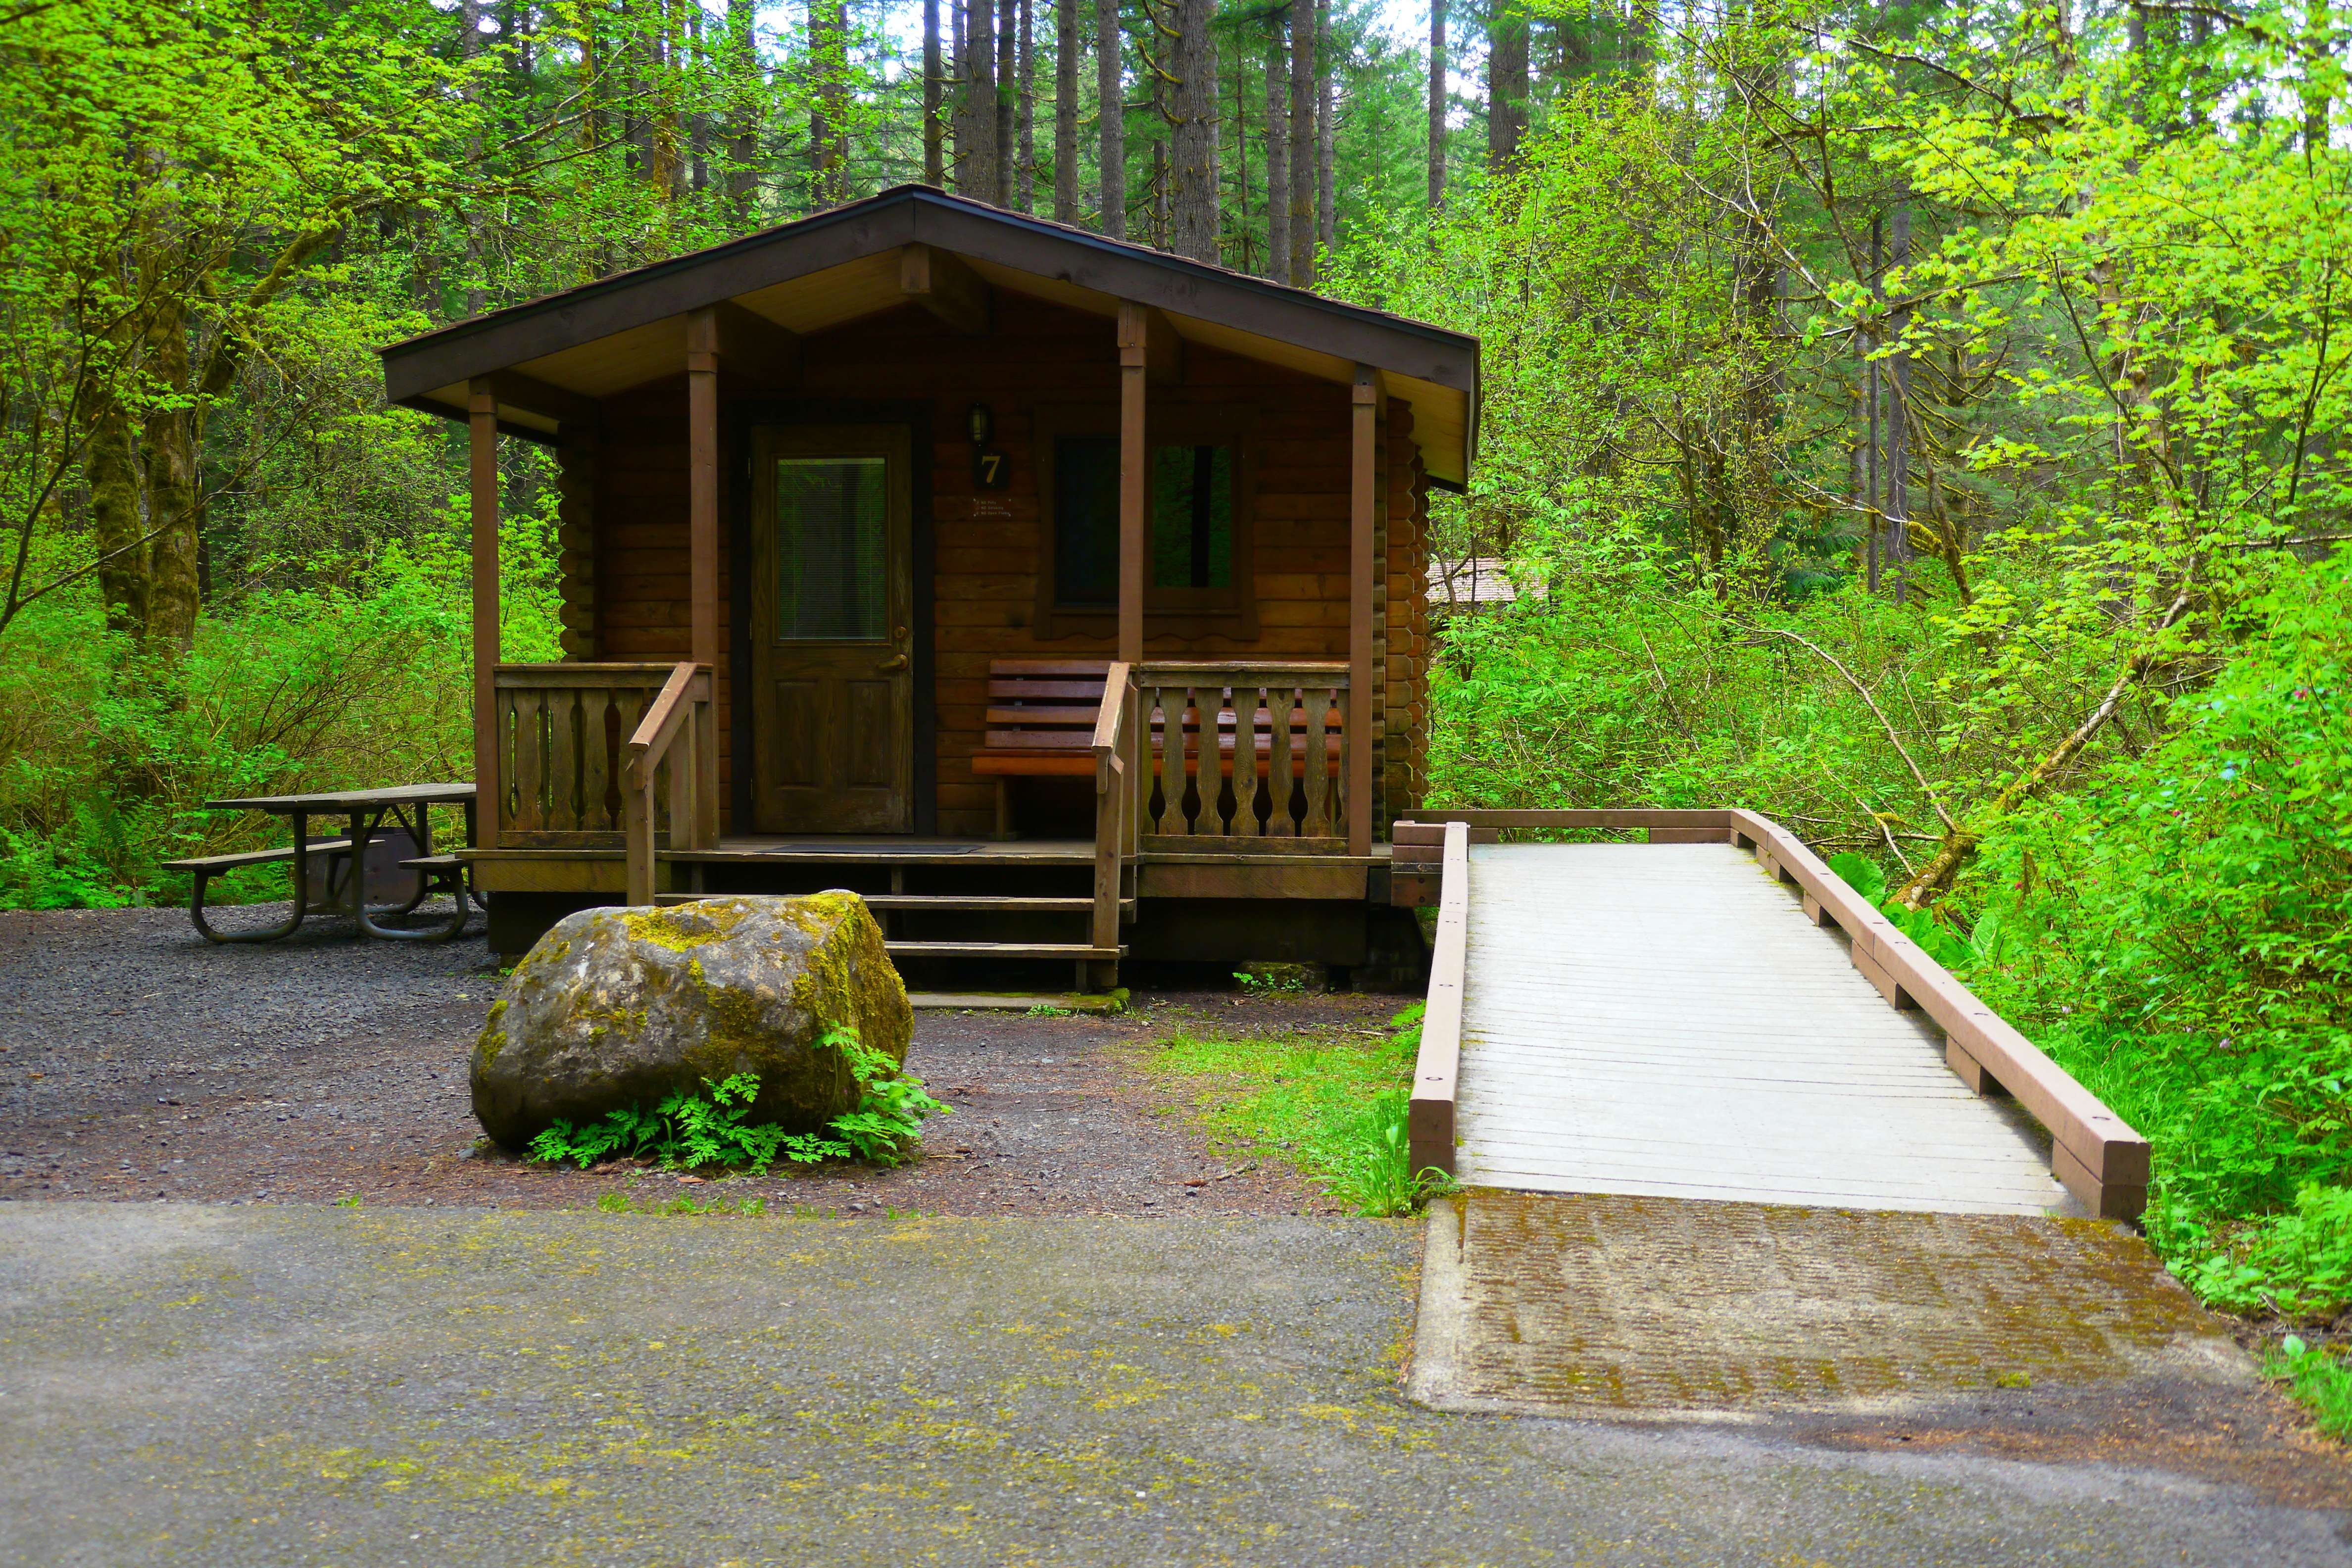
(376, 871)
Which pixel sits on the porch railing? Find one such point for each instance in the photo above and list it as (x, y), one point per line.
(1249, 751)
(562, 735)
(663, 776)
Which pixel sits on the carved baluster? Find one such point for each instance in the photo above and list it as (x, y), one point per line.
(1170, 762)
(525, 719)
(1250, 743)
(1278, 763)
(1320, 812)
(560, 773)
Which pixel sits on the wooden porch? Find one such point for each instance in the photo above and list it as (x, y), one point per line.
(1232, 780)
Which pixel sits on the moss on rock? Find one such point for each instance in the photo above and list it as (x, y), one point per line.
(617, 1007)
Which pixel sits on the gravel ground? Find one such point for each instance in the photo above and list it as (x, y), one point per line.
(138, 1062)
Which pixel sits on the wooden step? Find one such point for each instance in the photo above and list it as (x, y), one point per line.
(975, 902)
(1002, 950)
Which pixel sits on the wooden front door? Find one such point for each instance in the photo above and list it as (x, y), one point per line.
(831, 611)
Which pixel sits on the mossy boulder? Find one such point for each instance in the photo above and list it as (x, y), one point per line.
(615, 1007)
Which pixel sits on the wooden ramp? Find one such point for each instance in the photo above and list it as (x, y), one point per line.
(1664, 1020)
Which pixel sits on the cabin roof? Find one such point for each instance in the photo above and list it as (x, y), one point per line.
(819, 272)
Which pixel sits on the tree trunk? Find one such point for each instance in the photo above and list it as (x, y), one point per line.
(1326, 201)
(698, 141)
(1874, 376)
(469, 49)
(979, 46)
(961, 106)
(829, 102)
(172, 487)
(664, 50)
(1111, 115)
(1008, 75)
(935, 166)
(1506, 82)
(1436, 105)
(1193, 135)
(1025, 113)
(1244, 241)
(1899, 413)
(113, 473)
(1277, 152)
(1302, 144)
(1160, 194)
(1065, 111)
(743, 129)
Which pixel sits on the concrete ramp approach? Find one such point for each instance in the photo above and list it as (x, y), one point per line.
(1663, 1020)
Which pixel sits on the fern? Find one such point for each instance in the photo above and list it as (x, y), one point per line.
(690, 1130)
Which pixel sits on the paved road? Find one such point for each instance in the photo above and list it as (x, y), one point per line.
(310, 1384)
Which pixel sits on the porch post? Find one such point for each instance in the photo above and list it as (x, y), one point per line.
(702, 551)
(482, 429)
(1363, 478)
(1134, 348)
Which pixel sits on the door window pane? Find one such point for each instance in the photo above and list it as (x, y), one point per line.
(1085, 519)
(1192, 517)
(832, 535)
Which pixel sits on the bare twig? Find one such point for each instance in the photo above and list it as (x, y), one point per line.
(1863, 692)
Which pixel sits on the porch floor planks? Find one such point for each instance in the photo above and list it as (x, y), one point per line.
(1663, 1020)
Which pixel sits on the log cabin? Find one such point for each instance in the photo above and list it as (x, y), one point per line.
(1063, 597)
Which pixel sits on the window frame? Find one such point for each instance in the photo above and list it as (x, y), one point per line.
(1230, 611)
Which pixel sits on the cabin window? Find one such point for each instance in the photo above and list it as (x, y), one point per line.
(1199, 490)
(1085, 519)
(833, 549)
(1191, 516)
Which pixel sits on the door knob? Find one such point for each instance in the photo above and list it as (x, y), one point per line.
(895, 661)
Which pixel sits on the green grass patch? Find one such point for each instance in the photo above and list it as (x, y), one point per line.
(2320, 1380)
(1333, 1107)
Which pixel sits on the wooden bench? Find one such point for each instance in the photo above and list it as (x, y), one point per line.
(446, 872)
(204, 867)
(1040, 723)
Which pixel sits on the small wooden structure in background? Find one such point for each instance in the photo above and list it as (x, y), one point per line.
(821, 486)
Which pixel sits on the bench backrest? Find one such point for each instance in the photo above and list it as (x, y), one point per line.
(1044, 704)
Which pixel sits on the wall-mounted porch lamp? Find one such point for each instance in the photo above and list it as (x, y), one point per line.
(991, 469)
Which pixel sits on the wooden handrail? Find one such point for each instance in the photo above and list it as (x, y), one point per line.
(1112, 801)
(661, 723)
(1436, 1070)
(682, 710)
(1110, 719)
(1332, 673)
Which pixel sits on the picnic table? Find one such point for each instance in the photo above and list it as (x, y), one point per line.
(377, 870)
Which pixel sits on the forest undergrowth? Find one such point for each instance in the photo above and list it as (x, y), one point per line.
(107, 755)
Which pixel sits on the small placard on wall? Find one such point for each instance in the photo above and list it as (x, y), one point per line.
(990, 506)
(991, 469)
